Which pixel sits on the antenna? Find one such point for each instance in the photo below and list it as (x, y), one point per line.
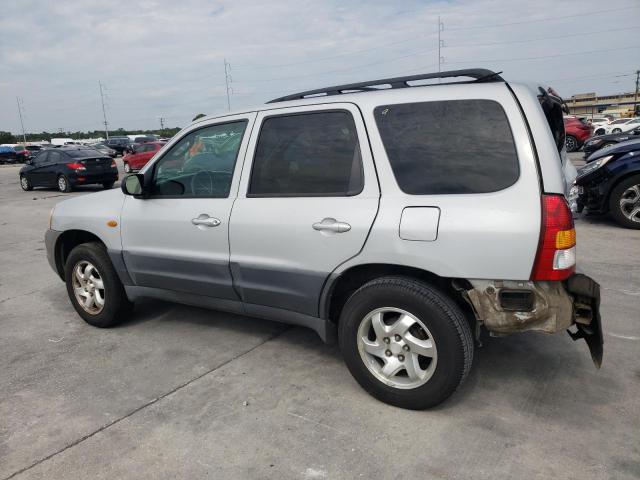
(104, 113)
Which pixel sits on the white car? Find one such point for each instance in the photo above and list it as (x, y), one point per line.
(622, 125)
(598, 123)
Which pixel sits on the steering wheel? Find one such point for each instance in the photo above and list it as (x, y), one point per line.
(202, 183)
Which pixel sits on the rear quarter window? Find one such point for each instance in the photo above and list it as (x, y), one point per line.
(449, 147)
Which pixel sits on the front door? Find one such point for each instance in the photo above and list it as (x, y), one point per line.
(178, 238)
(307, 199)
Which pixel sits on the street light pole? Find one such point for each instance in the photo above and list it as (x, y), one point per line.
(24, 137)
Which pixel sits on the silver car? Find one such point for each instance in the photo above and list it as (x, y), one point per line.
(396, 218)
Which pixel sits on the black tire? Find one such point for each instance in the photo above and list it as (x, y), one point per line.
(25, 183)
(108, 185)
(616, 130)
(63, 184)
(571, 143)
(599, 131)
(614, 203)
(116, 304)
(445, 321)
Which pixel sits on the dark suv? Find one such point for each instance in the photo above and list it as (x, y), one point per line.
(119, 144)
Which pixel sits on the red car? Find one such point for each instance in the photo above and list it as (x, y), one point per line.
(141, 155)
(576, 133)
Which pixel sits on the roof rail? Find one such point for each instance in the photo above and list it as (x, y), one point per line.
(478, 75)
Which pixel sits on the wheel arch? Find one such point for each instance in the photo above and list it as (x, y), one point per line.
(339, 286)
(617, 180)
(67, 241)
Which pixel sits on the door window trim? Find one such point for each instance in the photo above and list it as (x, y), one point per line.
(305, 195)
(152, 170)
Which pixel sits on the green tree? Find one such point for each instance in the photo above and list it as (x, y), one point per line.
(200, 115)
(6, 137)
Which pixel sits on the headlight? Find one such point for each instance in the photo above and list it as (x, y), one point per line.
(593, 166)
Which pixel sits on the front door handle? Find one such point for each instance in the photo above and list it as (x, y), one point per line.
(331, 225)
(204, 220)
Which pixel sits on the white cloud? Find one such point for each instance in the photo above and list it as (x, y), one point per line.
(165, 58)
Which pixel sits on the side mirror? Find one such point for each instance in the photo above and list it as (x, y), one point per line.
(133, 185)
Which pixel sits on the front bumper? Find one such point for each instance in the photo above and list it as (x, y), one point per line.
(50, 242)
(547, 307)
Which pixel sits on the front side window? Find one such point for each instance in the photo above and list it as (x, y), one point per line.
(201, 164)
(449, 147)
(310, 154)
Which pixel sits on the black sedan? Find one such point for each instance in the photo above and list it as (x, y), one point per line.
(610, 183)
(67, 167)
(596, 143)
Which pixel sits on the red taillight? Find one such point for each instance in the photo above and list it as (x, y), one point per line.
(76, 166)
(556, 257)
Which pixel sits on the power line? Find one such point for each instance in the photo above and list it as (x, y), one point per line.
(546, 19)
(545, 56)
(537, 39)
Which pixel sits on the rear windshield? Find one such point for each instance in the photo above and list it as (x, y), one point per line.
(449, 147)
(84, 153)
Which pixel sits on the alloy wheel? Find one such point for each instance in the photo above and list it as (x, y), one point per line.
(397, 348)
(62, 184)
(571, 144)
(630, 203)
(24, 183)
(88, 287)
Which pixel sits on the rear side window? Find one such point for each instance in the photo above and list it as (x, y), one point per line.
(449, 147)
(305, 155)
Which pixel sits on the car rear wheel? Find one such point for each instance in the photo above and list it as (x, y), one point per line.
(405, 342)
(25, 183)
(108, 185)
(127, 168)
(63, 184)
(624, 203)
(616, 130)
(571, 143)
(94, 288)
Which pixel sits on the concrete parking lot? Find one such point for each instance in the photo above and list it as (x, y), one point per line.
(179, 392)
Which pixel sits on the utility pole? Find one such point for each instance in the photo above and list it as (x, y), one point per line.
(19, 101)
(228, 80)
(104, 113)
(440, 45)
(161, 124)
(635, 98)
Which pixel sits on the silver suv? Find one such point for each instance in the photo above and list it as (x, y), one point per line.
(395, 217)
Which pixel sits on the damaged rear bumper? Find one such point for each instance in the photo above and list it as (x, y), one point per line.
(509, 306)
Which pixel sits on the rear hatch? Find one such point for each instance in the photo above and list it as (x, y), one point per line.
(97, 165)
(554, 109)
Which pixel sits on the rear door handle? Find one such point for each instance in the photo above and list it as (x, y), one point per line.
(204, 220)
(331, 225)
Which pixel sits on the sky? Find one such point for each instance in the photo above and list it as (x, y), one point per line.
(165, 58)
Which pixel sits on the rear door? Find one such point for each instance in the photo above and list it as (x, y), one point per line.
(308, 197)
(36, 174)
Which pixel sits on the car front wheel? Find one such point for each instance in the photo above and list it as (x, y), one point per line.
(25, 183)
(405, 342)
(94, 288)
(624, 202)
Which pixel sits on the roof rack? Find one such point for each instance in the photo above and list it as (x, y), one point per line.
(478, 75)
